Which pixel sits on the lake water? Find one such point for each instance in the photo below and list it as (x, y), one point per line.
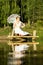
(28, 58)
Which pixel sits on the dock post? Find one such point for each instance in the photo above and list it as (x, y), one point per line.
(34, 45)
(12, 47)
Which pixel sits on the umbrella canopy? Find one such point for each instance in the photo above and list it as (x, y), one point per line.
(12, 18)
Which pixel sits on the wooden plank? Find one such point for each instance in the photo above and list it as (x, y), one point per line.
(22, 36)
(31, 43)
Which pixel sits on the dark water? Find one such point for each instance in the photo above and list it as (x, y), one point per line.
(29, 58)
(3, 57)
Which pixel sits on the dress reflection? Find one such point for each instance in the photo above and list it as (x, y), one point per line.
(16, 58)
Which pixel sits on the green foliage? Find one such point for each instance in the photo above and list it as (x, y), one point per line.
(14, 8)
(28, 9)
(40, 23)
(4, 11)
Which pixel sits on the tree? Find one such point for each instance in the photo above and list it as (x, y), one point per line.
(29, 10)
(35, 10)
(4, 12)
(14, 8)
(24, 9)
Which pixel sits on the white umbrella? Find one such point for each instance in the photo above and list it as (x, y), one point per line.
(12, 18)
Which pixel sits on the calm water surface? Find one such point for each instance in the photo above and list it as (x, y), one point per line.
(29, 58)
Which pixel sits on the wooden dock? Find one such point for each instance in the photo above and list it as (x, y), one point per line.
(34, 43)
(21, 38)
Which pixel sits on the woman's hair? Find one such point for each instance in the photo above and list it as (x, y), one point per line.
(17, 17)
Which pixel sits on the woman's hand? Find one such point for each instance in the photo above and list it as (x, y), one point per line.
(22, 25)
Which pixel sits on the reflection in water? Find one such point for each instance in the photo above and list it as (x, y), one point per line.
(28, 58)
(18, 53)
(15, 59)
(21, 48)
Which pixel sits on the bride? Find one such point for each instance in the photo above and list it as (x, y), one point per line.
(17, 25)
(17, 30)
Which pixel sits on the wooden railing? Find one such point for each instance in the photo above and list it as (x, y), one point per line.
(34, 43)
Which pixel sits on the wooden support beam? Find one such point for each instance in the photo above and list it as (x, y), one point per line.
(30, 43)
(22, 36)
(33, 40)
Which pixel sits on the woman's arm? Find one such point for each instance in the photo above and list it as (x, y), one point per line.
(22, 24)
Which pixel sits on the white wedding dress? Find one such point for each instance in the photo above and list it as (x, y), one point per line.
(18, 30)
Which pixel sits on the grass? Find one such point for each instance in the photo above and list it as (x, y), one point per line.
(27, 28)
(5, 31)
(39, 30)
